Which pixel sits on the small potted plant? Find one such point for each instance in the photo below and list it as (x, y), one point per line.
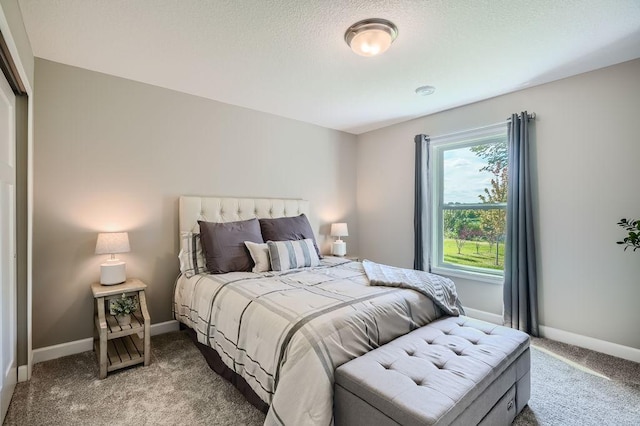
(122, 308)
(633, 237)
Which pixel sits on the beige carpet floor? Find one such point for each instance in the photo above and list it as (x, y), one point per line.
(178, 388)
(570, 386)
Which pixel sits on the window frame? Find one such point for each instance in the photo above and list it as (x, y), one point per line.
(437, 147)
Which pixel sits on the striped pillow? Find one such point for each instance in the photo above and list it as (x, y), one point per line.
(287, 255)
(191, 255)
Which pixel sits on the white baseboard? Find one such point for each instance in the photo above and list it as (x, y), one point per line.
(83, 345)
(23, 373)
(164, 327)
(484, 316)
(609, 348)
(63, 349)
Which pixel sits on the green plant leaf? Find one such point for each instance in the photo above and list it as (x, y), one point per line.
(632, 226)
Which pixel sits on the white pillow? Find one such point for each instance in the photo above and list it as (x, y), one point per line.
(295, 254)
(260, 254)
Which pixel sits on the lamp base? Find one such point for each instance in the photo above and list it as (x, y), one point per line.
(112, 272)
(339, 248)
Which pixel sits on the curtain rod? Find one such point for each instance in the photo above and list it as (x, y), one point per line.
(439, 138)
(531, 116)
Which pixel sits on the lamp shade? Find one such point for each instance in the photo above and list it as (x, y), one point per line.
(112, 242)
(339, 230)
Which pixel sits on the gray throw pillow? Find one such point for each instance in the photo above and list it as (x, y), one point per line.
(223, 244)
(288, 229)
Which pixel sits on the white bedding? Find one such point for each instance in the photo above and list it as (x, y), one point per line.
(286, 332)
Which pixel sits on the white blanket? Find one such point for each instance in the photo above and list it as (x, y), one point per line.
(285, 333)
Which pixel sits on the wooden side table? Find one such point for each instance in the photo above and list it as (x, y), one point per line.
(119, 346)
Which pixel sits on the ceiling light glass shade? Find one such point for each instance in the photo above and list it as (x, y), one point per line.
(371, 36)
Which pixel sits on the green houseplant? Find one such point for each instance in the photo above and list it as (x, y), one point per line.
(632, 226)
(122, 308)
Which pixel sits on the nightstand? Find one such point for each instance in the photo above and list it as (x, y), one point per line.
(119, 346)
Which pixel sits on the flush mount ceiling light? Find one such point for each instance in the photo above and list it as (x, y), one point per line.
(371, 37)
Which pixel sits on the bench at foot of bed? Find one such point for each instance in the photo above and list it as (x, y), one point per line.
(455, 370)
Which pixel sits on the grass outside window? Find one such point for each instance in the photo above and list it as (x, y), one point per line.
(478, 254)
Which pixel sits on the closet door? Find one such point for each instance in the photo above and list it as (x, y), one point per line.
(8, 325)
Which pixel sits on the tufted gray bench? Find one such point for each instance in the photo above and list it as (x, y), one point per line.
(455, 370)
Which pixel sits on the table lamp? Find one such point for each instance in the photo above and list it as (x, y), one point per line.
(113, 270)
(339, 247)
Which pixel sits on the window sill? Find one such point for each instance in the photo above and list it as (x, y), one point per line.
(473, 276)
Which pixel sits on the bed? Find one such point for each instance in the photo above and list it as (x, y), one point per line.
(285, 332)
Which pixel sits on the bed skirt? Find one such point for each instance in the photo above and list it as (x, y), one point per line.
(216, 364)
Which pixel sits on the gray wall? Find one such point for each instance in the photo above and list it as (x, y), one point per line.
(112, 154)
(586, 146)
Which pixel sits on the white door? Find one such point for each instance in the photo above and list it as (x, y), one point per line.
(8, 322)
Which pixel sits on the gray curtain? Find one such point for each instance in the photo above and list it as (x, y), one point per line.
(421, 224)
(520, 285)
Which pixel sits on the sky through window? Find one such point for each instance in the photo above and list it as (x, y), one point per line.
(463, 180)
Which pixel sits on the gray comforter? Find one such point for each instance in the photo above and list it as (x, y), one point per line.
(286, 332)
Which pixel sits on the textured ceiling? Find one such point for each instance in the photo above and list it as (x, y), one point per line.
(288, 57)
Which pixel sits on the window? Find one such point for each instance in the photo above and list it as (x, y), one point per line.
(469, 200)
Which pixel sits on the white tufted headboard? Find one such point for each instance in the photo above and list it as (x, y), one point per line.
(214, 209)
